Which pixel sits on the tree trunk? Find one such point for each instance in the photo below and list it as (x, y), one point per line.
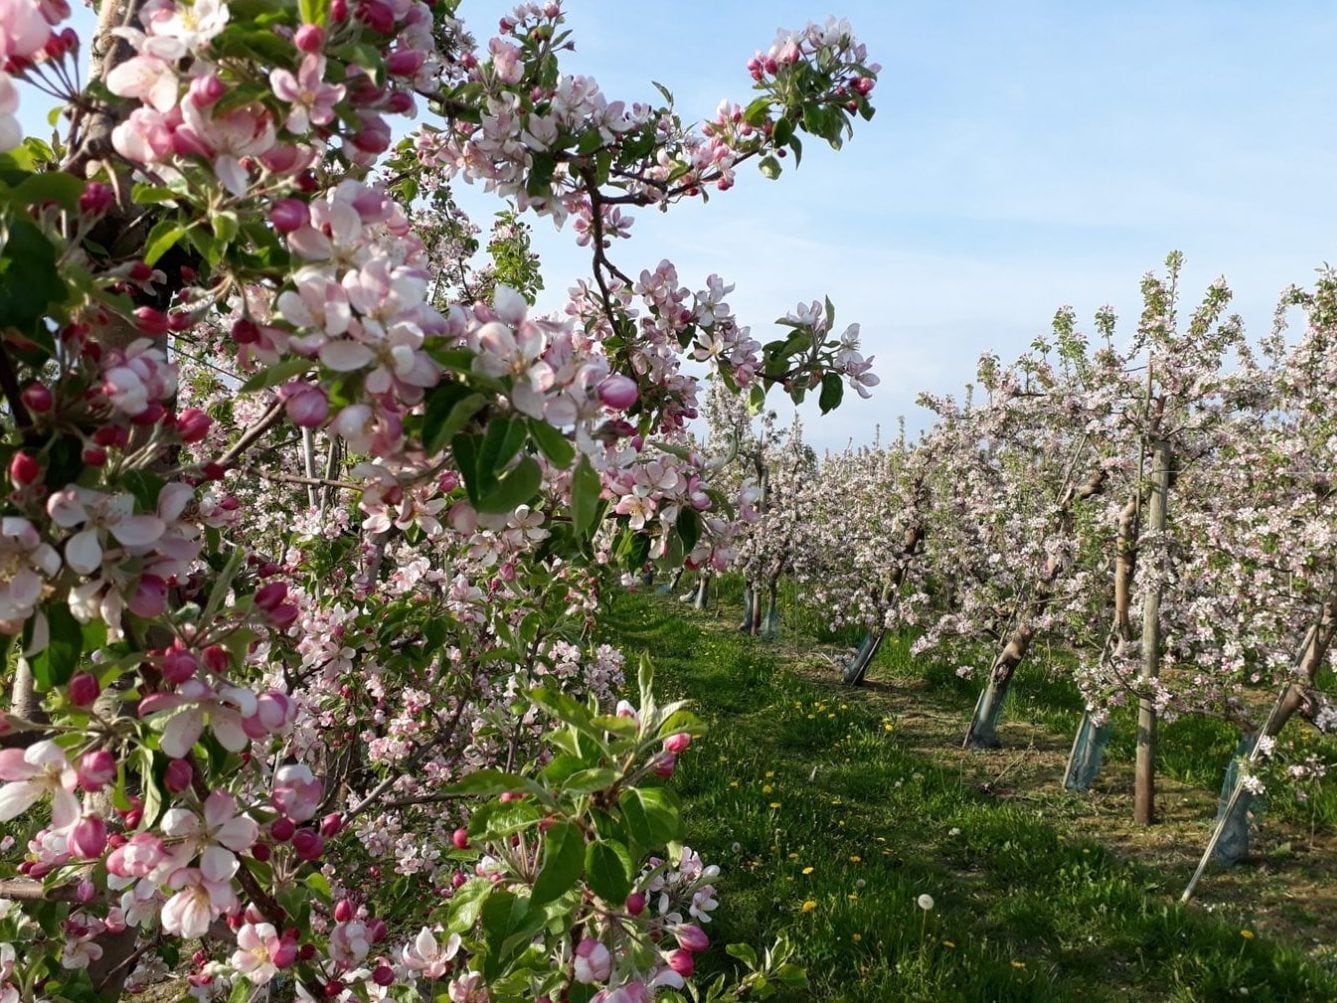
(1144, 778)
(1088, 752)
(1295, 696)
(983, 730)
(770, 626)
(857, 667)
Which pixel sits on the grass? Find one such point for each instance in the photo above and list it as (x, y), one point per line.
(826, 818)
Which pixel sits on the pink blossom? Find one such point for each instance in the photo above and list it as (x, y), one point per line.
(428, 956)
(198, 901)
(184, 714)
(23, 29)
(297, 792)
(32, 774)
(311, 98)
(259, 949)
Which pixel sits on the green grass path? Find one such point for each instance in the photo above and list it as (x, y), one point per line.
(823, 822)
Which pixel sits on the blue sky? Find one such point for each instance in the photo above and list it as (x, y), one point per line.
(1024, 156)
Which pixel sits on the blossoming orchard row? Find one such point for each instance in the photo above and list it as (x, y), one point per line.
(1158, 509)
(309, 513)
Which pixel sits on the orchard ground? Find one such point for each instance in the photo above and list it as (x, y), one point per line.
(832, 810)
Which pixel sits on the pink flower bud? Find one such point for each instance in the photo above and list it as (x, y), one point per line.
(344, 911)
(331, 825)
(377, 929)
(310, 38)
(96, 770)
(85, 891)
(192, 424)
(285, 955)
(97, 198)
(271, 594)
(261, 852)
(150, 321)
(206, 90)
(593, 963)
(664, 763)
(383, 975)
(178, 665)
(636, 903)
(282, 830)
(618, 392)
(37, 398)
(404, 62)
(88, 838)
(461, 839)
(84, 689)
(23, 470)
(307, 407)
(245, 332)
(370, 139)
(682, 962)
(288, 215)
(308, 844)
(177, 776)
(149, 599)
(691, 937)
(677, 744)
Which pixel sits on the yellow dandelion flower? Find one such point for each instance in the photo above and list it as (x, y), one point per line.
(1247, 934)
(769, 774)
(857, 938)
(855, 858)
(948, 943)
(886, 727)
(807, 870)
(793, 856)
(1018, 964)
(808, 906)
(775, 804)
(766, 788)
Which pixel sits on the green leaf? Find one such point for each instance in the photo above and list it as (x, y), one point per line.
(280, 372)
(689, 527)
(56, 663)
(49, 186)
(467, 903)
(487, 783)
(161, 239)
(153, 801)
(556, 447)
(449, 408)
(783, 132)
(501, 441)
(225, 225)
(519, 485)
(315, 12)
(318, 883)
(608, 869)
(29, 280)
(500, 819)
(586, 487)
(144, 194)
(652, 816)
(591, 780)
(563, 861)
(744, 953)
(833, 391)
(756, 112)
(769, 167)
